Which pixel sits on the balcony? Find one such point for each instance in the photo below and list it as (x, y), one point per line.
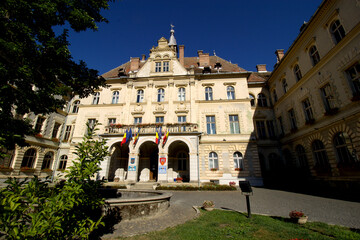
(151, 128)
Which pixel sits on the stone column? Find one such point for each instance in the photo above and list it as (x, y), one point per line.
(133, 167)
(104, 165)
(193, 167)
(163, 161)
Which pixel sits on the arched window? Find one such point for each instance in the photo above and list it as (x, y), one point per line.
(96, 98)
(284, 85)
(6, 161)
(230, 92)
(288, 158)
(29, 158)
(337, 31)
(262, 100)
(62, 163)
(213, 161)
(161, 95)
(76, 106)
(46, 164)
(321, 158)
(140, 96)
(314, 55)
(181, 94)
(252, 100)
(182, 159)
(208, 94)
(301, 155)
(115, 97)
(297, 72)
(238, 161)
(344, 149)
(274, 95)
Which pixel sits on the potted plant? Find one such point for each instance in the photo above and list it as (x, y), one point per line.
(232, 184)
(179, 179)
(213, 169)
(38, 135)
(27, 169)
(208, 205)
(298, 217)
(5, 169)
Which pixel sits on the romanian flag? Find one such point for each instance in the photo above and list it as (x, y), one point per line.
(124, 138)
(157, 140)
(129, 135)
(136, 137)
(165, 137)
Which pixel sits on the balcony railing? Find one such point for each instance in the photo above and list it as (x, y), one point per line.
(152, 128)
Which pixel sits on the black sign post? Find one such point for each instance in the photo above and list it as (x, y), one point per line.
(247, 191)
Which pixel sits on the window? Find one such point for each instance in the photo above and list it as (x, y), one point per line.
(275, 96)
(353, 74)
(6, 160)
(344, 149)
(159, 119)
(328, 97)
(182, 159)
(158, 67)
(270, 128)
(62, 163)
(213, 161)
(261, 131)
(112, 121)
(67, 133)
(307, 110)
(55, 130)
(285, 85)
(238, 161)
(137, 120)
(115, 97)
(292, 119)
(182, 119)
(210, 125)
(234, 124)
(314, 55)
(321, 159)
(252, 100)
(161, 95)
(92, 122)
(301, 154)
(262, 100)
(181, 94)
(96, 98)
(297, 72)
(208, 94)
(140, 96)
(230, 92)
(275, 163)
(46, 164)
(166, 66)
(337, 31)
(280, 122)
(29, 158)
(76, 106)
(39, 122)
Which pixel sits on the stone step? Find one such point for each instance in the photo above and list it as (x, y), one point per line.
(144, 186)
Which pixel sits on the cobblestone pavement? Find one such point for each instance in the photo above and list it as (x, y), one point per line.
(263, 201)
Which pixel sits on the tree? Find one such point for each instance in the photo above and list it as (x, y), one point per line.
(36, 68)
(70, 210)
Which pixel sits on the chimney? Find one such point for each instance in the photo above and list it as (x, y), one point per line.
(204, 59)
(261, 68)
(279, 54)
(143, 58)
(181, 54)
(134, 63)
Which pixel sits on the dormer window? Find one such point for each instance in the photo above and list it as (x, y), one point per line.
(158, 67)
(166, 67)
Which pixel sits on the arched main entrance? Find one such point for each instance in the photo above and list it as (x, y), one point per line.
(148, 161)
(179, 160)
(119, 159)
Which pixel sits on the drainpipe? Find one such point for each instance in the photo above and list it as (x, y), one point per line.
(198, 161)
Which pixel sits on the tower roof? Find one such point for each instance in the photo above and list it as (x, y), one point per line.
(172, 40)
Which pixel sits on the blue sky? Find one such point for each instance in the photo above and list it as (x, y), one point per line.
(243, 32)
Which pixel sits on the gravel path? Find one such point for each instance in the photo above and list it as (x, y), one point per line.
(264, 201)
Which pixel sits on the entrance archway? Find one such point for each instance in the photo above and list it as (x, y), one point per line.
(119, 159)
(148, 161)
(179, 160)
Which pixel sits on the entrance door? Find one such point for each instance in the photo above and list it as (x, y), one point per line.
(154, 164)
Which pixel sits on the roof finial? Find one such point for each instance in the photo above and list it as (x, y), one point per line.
(214, 53)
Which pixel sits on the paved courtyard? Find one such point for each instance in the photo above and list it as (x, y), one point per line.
(264, 201)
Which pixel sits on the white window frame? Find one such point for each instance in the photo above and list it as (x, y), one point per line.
(210, 124)
(140, 96)
(230, 92)
(161, 95)
(181, 94)
(213, 161)
(96, 98)
(238, 161)
(234, 124)
(115, 97)
(208, 94)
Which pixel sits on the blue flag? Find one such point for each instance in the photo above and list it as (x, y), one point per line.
(127, 136)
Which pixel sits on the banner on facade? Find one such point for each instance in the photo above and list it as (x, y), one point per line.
(132, 160)
(132, 168)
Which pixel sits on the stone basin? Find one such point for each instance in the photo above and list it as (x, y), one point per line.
(132, 204)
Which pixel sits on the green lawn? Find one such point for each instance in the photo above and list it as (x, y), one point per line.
(231, 225)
